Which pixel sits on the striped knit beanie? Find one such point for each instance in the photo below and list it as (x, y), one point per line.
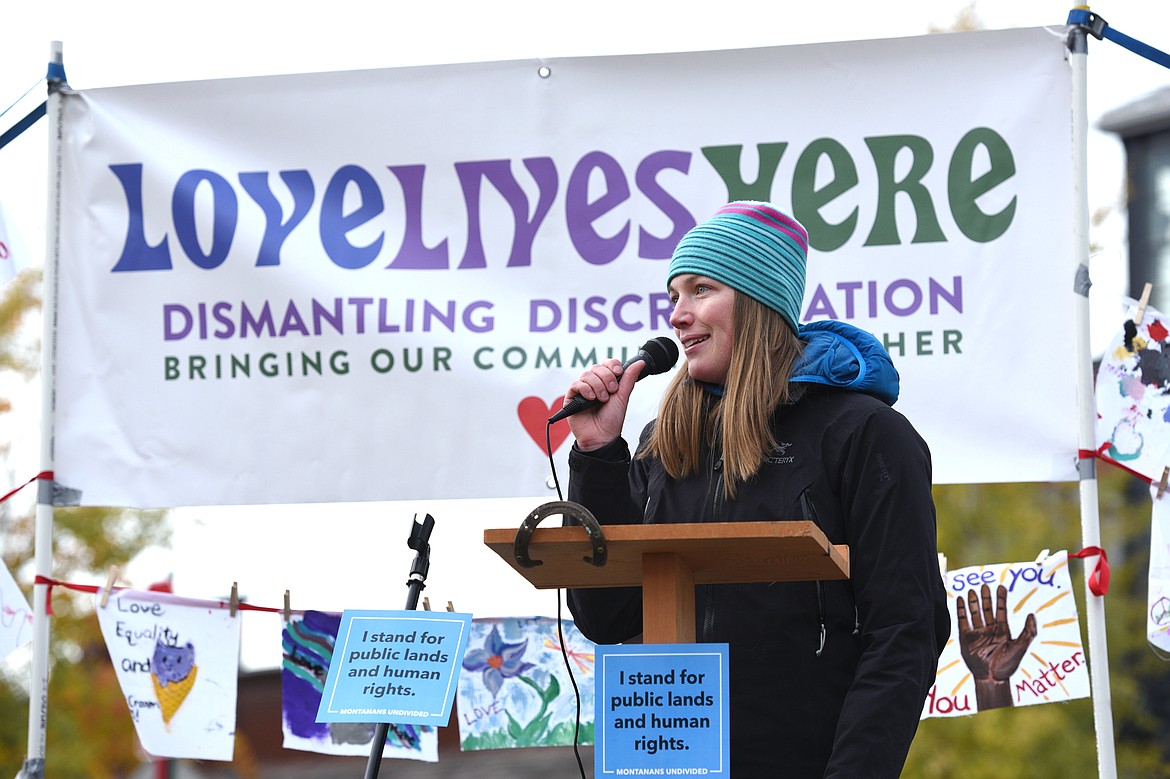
(752, 247)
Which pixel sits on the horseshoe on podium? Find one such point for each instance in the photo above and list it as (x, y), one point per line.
(569, 509)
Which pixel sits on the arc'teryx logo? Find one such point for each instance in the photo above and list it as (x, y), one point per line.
(778, 456)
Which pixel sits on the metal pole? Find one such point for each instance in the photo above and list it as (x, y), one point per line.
(1086, 403)
(419, 541)
(38, 694)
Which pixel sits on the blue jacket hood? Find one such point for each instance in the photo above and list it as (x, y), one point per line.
(840, 355)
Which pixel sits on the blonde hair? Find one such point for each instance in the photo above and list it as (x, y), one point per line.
(763, 354)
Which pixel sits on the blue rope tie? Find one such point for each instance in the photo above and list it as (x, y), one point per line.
(1100, 29)
(56, 77)
(27, 92)
(28, 121)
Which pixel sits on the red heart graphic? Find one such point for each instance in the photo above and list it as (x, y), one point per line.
(534, 414)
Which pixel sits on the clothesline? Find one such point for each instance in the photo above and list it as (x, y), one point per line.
(94, 589)
(1098, 580)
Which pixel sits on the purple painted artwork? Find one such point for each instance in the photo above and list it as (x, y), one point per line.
(307, 646)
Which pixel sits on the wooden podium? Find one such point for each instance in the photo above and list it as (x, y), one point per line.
(667, 561)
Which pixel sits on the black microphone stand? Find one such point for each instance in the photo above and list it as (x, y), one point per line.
(420, 542)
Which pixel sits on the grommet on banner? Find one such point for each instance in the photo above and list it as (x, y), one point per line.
(287, 607)
(1162, 483)
(234, 603)
(1145, 301)
(113, 577)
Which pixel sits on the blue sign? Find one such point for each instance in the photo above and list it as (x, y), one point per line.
(661, 709)
(395, 666)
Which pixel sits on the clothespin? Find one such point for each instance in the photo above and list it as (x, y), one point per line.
(450, 606)
(287, 608)
(1145, 301)
(426, 603)
(113, 577)
(1162, 483)
(1040, 558)
(234, 604)
(942, 565)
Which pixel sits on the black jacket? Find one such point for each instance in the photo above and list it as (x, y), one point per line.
(847, 704)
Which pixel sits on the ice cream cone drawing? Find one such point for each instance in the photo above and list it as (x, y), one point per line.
(177, 661)
(172, 672)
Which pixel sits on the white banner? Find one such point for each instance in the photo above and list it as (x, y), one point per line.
(377, 285)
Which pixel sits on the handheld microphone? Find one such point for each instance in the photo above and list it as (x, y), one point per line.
(660, 354)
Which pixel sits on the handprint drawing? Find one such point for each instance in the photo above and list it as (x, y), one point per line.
(987, 646)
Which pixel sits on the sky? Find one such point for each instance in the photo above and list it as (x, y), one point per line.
(339, 556)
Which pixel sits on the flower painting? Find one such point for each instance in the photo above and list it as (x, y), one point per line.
(499, 660)
(519, 686)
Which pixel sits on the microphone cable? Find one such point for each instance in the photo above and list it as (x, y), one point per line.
(659, 355)
(560, 621)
